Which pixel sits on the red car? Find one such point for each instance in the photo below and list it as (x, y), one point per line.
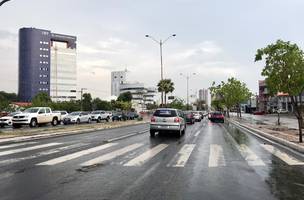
(216, 117)
(259, 113)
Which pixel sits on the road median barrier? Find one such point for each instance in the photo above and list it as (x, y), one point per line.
(39, 133)
(268, 137)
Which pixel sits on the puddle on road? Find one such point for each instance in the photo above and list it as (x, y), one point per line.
(285, 182)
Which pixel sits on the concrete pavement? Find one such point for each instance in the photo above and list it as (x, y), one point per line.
(209, 162)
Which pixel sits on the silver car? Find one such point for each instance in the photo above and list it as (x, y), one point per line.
(167, 120)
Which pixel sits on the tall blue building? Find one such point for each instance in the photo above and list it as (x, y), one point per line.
(47, 63)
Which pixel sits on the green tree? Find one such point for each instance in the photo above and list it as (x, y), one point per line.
(284, 72)
(86, 102)
(99, 104)
(178, 103)
(126, 96)
(230, 93)
(165, 86)
(41, 99)
(122, 105)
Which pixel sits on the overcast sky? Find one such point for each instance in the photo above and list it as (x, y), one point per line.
(216, 39)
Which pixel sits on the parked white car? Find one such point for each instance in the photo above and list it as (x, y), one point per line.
(35, 116)
(99, 115)
(77, 118)
(7, 120)
(63, 114)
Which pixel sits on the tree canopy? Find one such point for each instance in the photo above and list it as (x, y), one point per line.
(284, 72)
(126, 97)
(165, 86)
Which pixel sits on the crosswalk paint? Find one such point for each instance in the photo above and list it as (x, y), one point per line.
(251, 158)
(181, 158)
(197, 133)
(216, 156)
(76, 154)
(283, 156)
(111, 155)
(16, 145)
(8, 152)
(149, 154)
(43, 153)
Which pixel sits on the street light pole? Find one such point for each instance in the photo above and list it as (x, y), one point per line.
(187, 78)
(161, 43)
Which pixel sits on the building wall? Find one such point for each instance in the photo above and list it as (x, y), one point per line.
(35, 68)
(203, 95)
(34, 63)
(63, 72)
(117, 78)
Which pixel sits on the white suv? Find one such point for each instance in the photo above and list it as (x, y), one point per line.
(35, 116)
(99, 115)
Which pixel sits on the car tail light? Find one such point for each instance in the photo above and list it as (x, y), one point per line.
(152, 119)
(176, 119)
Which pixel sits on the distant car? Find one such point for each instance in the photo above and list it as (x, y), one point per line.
(63, 114)
(99, 115)
(197, 116)
(7, 120)
(259, 113)
(116, 116)
(167, 120)
(216, 117)
(189, 118)
(77, 118)
(132, 115)
(283, 111)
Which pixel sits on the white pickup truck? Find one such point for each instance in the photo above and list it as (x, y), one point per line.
(35, 116)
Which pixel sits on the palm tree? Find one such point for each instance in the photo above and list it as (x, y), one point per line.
(169, 87)
(161, 89)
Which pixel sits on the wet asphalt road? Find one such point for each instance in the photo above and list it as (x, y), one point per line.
(206, 163)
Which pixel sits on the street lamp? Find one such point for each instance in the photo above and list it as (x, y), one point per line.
(188, 76)
(160, 43)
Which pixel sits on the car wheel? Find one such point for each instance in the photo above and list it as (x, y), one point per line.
(78, 121)
(98, 120)
(55, 122)
(89, 120)
(152, 133)
(33, 123)
(2, 125)
(179, 133)
(184, 131)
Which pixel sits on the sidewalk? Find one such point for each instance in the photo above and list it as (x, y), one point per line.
(281, 134)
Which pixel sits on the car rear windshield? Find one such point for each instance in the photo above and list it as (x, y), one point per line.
(216, 113)
(165, 113)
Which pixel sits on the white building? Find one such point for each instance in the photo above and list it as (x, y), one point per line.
(203, 95)
(117, 78)
(63, 76)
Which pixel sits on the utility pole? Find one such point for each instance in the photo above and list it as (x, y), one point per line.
(161, 43)
(187, 78)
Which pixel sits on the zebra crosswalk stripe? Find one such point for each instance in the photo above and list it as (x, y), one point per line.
(149, 154)
(281, 155)
(181, 158)
(251, 158)
(16, 145)
(216, 156)
(111, 155)
(76, 154)
(8, 152)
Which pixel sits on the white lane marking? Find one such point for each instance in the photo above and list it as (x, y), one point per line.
(112, 155)
(4, 153)
(216, 156)
(16, 145)
(281, 155)
(251, 158)
(197, 133)
(44, 153)
(181, 158)
(76, 154)
(149, 154)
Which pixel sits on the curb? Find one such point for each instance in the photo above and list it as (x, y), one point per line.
(283, 143)
(53, 135)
